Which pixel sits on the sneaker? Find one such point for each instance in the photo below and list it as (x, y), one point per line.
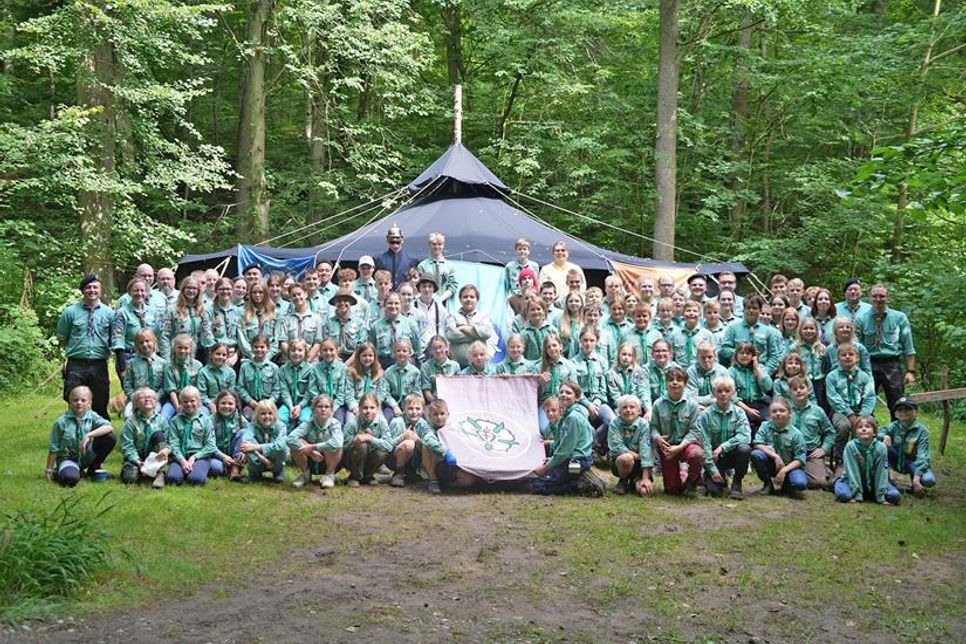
(736, 492)
(622, 486)
(158, 482)
(589, 484)
(434, 487)
(353, 483)
(302, 479)
(398, 480)
(372, 480)
(384, 470)
(278, 477)
(767, 489)
(328, 481)
(796, 494)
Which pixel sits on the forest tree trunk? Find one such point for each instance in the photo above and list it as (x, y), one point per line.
(665, 161)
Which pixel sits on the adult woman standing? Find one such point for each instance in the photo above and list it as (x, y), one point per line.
(258, 319)
(188, 316)
(129, 318)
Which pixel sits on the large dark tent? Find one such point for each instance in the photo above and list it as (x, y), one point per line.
(461, 198)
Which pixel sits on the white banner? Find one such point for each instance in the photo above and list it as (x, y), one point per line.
(493, 430)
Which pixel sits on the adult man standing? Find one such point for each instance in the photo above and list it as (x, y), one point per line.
(166, 287)
(887, 335)
(728, 280)
(853, 304)
(665, 286)
(84, 330)
(398, 262)
(698, 287)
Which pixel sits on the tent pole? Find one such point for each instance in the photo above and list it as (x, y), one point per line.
(457, 113)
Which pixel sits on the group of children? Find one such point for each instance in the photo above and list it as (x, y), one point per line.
(649, 379)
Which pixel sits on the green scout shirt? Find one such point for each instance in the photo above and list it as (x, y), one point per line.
(128, 321)
(788, 443)
(911, 444)
(575, 440)
(657, 377)
(850, 392)
(591, 376)
(330, 379)
(749, 386)
(356, 389)
(319, 303)
(842, 309)
(700, 381)
(812, 421)
(724, 428)
(302, 326)
(533, 339)
(86, 332)
(397, 383)
(511, 274)
(179, 374)
(766, 338)
(269, 327)
(191, 436)
(612, 337)
(509, 368)
(685, 341)
(346, 335)
(866, 469)
(400, 424)
(271, 440)
(430, 369)
(224, 324)
(634, 437)
(560, 372)
(194, 325)
(136, 436)
(571, 343)
(430, 438)
(642, 339)
(385, 333)
(628, 381)
(378, 428)
(676, 421)
(297, 384)
(470, 370)
(67, 433)
(258, 381)
(831, 360)
(144, 372)
(365, 290)
(444, 273)
(225, 430)
(888, 335)
(213, 380)
(326, 438)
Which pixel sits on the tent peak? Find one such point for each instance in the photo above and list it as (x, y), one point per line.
(458, 171)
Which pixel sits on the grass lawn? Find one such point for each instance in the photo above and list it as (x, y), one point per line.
(508, 566)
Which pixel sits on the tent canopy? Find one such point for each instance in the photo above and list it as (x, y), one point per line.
(461, 198)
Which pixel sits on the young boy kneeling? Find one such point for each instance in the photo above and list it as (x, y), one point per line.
(674, 429)
(908, 443)
(725, 434)
(865, 468)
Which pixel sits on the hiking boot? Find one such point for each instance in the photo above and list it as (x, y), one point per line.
(767, 489)
(621, 487)
(353, 483)
(384, 470)
(328, 481)
(736, 492)
(589, 484)
(398, 480)
(434, 487)
(796, 494)
(690, 490)
(302, 479)
(158, 481)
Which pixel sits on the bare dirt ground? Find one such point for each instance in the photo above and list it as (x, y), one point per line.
(473, 567)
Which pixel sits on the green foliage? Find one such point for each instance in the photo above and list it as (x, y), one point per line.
(47, 559)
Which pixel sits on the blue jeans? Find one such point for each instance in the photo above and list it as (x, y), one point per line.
(765, 469)
(928, 479)
(843, 492)
(197, 476)
(559, 480)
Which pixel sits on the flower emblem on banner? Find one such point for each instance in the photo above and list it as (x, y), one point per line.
(492, 434)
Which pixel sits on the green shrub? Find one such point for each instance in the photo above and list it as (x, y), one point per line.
(45, 559)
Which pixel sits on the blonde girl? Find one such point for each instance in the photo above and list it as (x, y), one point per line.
(180, 372)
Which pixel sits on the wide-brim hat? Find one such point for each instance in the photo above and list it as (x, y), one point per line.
(343, 294)
(430, 278)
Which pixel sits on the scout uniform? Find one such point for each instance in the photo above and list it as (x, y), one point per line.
(144, 372)
(247, 330)
(87, 335)
(198, 327)
(258, 381)
(297, 386)
(684, 343)
(430, 369)
(677, 422)
(634, 437)
(139, 437)
(789, 444)
(818, 432)
(866, 474)
(363, 459)
(909, 453)
(508, 368)
(766, 338)
(396, 383)
(728, 429)
(327, 439)
(213, 380)
(272, 445)
(66, 435)
(190, 436)
(128, 321)
(633, 380)
(700, 381)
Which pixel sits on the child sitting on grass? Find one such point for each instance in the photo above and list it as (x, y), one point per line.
(865, 468)
(367, 442)
(145, 431)
(779, 453)
(264, 443)
(316, 445)
(629, 448)
(674, 429)
(908, 443)
(79, 439)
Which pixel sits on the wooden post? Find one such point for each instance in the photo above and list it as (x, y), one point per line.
(947, 409)
(457, 113)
